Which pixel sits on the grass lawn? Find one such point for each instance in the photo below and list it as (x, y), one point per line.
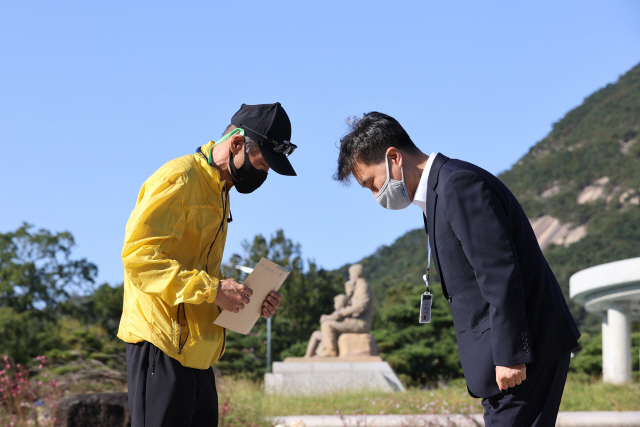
(583, 393)
(245, 400)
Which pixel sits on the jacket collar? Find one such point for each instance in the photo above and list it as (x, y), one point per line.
(202, 156)
(434, 174)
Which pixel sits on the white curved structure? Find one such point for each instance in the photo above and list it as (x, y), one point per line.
(613, 291)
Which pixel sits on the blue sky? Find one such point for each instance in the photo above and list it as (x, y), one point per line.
(95, 96)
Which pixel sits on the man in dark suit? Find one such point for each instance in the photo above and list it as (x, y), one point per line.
(513, 327)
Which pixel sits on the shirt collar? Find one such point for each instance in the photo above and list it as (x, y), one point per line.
(420, 197)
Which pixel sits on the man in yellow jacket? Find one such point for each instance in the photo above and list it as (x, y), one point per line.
(173, 285)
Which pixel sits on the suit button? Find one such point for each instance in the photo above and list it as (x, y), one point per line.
(526, 350)
(450, 299)
(524, 334)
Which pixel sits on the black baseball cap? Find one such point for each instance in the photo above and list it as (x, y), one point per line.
(269, 126)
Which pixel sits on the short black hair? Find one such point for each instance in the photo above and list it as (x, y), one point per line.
(368, 140)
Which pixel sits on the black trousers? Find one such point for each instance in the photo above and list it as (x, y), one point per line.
(533, 403)
(163, 393)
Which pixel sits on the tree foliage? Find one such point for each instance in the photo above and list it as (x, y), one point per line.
(419, 353)
(36, 271)
(103, 307)
(589, 357)
(37, 279)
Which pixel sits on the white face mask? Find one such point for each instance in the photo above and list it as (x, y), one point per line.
(393, 194)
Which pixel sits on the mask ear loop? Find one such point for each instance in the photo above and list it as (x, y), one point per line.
(387, 181)
(386, 163)
(405, 190)
(387, 160)
(224, 138)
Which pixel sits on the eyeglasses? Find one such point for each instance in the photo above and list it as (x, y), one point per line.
(284, 147)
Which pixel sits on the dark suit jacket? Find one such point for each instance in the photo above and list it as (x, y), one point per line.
(506, 304)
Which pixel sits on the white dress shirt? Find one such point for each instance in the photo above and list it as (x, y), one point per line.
(420, 198)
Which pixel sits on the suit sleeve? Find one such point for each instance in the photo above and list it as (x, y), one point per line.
(480, 223)
(155, 226)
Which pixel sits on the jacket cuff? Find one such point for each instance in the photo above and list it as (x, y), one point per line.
(511, 358)
(213, 289)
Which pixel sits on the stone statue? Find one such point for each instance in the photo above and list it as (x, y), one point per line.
(353, 314)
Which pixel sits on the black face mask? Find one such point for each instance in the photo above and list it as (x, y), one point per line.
(247, 179)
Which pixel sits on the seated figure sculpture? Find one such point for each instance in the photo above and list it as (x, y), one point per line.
(353, 314)
(339, 301)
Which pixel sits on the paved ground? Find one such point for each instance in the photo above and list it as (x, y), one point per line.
(565, 419)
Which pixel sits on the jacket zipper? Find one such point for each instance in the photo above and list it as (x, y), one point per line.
(221, 227)
(206, 261)
(182, 344)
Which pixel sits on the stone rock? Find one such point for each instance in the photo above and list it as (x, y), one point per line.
(95, 410)
(550, 230)
(350, 345)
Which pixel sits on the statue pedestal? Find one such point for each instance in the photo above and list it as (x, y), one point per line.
(357, 345)
(325, 375)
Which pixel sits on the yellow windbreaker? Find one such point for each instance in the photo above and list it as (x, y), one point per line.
(172, 253)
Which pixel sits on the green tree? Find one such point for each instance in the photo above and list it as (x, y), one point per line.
(36, 271)
(37, 275)
(588, 358)
(419, 353)
(107, 301)
(103, 307)
(24, 335)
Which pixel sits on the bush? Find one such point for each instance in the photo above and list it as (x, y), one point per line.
(24, 400)
(26, 334)
(588, 360)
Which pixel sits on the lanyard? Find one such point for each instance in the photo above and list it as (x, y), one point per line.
(426, 299)
(426, 276)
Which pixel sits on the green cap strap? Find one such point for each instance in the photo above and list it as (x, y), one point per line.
(224, 138)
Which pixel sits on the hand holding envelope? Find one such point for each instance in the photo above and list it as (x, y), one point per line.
(261, 285)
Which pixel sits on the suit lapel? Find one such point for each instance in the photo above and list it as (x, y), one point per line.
(432, 200)
(430, 221)
(432, 197)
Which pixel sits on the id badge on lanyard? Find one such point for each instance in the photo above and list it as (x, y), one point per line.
(426, 300)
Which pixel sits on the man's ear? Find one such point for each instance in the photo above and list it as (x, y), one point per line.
(236, 144)
(395, 156)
